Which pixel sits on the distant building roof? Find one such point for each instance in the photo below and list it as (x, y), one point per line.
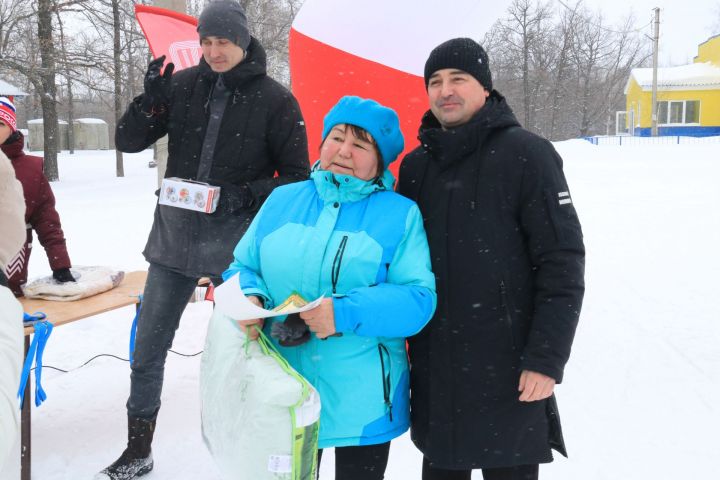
(40, 121)
(90, 120)
(695, 76)
(7, 89)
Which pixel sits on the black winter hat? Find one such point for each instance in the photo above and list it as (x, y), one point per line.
(464, 54)
(224, 19)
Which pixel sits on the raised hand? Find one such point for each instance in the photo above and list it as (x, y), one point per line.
(157, 85)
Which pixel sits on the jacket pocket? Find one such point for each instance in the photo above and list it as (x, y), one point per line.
(505, 302)
(385, 365)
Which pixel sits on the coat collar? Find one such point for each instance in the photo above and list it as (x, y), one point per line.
(333, 187)
(13, 147)
(454, 144)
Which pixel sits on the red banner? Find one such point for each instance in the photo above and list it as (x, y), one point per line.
(170, 33)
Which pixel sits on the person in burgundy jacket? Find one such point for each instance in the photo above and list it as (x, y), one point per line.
(40, 212)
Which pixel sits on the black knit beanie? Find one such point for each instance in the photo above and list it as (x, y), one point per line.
(463, 54)
(224, 19)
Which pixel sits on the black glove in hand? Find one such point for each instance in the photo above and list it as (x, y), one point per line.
(63, 275)
(292, 332)
(157, 85)
(233, 198)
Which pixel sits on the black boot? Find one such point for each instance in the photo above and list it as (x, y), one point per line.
(136, 460)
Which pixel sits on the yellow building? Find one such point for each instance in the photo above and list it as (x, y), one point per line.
(688, 96)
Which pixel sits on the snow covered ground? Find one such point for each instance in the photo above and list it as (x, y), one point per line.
(638, 401)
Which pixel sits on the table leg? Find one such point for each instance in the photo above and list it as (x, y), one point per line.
(25, 426)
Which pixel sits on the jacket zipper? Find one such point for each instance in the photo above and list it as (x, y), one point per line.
(506, 308)
(337, 261)
(383, 351)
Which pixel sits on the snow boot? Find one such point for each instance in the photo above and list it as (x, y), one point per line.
(136, 460)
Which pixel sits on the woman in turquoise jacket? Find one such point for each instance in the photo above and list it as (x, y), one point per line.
(346, 235)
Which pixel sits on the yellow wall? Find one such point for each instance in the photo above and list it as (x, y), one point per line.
(709, 103)
(709, 51)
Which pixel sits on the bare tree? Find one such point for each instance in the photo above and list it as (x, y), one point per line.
(119, 167)
(524, 32)
(564, 41)
(115, 77)
(28, 48)
(68, 79)
(563, 71)
(47, 78)
(589, 51)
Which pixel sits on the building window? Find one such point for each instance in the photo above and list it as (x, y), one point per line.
(678, 112)
(692, 112)
(622, 126)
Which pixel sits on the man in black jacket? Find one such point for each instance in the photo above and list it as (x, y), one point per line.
(508, 255)
(230, 125)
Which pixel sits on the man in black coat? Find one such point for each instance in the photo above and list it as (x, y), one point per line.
(508, 255)
(230, 125)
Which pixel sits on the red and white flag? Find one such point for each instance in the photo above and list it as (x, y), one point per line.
(375, 49)
(170, 33)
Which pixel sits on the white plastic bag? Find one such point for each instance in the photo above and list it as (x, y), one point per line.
(260, 418)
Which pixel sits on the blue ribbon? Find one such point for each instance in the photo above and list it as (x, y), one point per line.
(43, 329)
(133, 329)
(35, 317)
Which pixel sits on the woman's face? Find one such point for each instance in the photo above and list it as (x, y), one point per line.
(5, 131)
(342, 152)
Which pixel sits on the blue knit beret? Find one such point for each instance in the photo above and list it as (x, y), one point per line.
(379, 121)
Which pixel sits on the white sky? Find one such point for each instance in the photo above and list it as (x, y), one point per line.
(684, 24)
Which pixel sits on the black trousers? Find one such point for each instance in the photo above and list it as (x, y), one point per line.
(166, 294)
(363, 462)
(521, 472)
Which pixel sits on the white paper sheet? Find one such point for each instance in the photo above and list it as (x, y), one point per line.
(230, 299)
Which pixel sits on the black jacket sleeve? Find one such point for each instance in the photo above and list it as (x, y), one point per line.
(137, 130)
(287, 141)
(554, 238)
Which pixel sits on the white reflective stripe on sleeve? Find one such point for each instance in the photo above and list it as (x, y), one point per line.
(565, 200)
(563, 194)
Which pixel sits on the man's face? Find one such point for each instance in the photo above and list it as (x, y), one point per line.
(221, 54)
(455, 96)
(5, 131)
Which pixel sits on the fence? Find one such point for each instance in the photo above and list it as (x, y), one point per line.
(664, 140)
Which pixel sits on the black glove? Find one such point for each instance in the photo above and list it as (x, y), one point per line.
(292, 332)
(63, 275)
(157, 86)
(233, 198)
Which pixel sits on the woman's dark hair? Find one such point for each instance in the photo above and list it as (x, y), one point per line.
(363, 134)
